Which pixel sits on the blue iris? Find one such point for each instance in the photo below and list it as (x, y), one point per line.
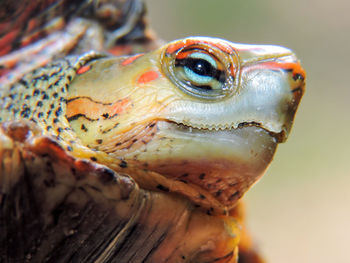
(201, 68)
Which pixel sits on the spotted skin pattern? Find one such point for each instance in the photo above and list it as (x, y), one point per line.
(41, 98)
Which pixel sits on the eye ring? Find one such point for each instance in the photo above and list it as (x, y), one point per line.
(201, 70)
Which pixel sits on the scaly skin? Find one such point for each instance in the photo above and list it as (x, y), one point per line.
(199, 117)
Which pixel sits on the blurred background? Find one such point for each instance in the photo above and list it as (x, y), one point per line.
(300, 210)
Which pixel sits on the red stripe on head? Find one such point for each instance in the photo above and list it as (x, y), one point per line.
(294, 67)
(129, 60)
(189, 42)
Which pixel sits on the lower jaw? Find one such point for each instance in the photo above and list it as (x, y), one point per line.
(225, 163)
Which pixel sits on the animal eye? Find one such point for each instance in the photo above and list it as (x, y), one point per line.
(199, 72)
(199, 68)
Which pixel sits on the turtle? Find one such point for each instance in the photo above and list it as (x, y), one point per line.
(130, 150)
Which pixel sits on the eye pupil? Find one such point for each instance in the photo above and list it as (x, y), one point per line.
(200, 67)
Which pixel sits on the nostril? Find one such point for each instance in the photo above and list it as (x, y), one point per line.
(298, 72)
(298, 76)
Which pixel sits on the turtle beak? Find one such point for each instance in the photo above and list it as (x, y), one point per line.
(274, 81)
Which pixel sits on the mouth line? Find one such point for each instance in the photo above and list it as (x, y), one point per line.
(280, 137)
(218, 127)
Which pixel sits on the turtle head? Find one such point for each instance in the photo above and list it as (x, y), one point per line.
(233, 85)
(199, 111)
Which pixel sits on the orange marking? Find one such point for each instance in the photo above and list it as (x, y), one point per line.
(11, 63)
(131, 59)
(8, 39)
(83, 69)
(189, 42)
(233, 70)
(87, 107)
(95, 110)
(295, 67)
(225, 48)
(26, 41)
(30, 39)
(148, 77)
(175, 47)
(119, 106)
(184, 54)
(31, 24)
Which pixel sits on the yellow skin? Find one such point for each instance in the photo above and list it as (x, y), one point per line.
(200, 117)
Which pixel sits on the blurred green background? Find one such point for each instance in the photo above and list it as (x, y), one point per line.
(300, 210)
